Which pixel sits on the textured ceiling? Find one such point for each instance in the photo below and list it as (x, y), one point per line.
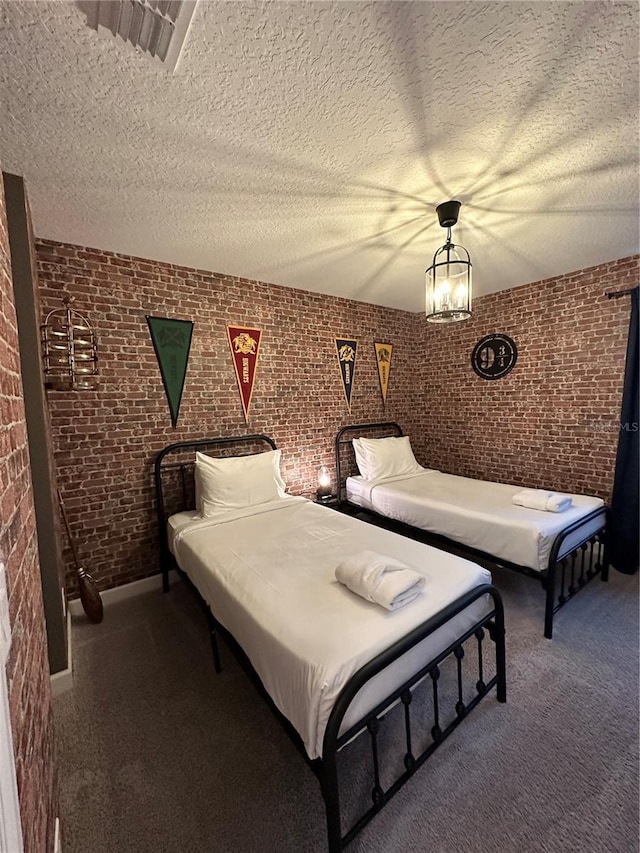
(307, 144)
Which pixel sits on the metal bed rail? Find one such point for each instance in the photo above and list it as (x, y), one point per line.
(386, 429)
(371, 722)
(326, 769)
(577, 567)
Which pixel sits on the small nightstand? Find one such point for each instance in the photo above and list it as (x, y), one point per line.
(331, 501)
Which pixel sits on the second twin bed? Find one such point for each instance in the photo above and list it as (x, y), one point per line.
(563, 550)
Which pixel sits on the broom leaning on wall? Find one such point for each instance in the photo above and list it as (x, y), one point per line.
(89, 595)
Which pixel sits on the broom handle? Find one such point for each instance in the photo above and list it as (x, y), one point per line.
(89, 595)
(66, 524)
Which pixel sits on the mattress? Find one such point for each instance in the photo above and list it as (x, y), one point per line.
(475, 513)
(268, 575)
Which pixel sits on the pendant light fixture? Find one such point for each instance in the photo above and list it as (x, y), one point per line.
(448, 278)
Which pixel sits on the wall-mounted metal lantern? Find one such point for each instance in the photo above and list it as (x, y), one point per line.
(69, 352)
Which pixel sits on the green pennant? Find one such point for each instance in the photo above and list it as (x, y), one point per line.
(172, 342)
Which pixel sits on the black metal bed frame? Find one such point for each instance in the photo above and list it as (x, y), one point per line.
(325, 768)
(569, 574)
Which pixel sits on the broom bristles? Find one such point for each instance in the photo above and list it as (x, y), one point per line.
(90, 597)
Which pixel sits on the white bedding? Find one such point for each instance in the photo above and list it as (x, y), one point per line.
(475, 513)
(268, 575)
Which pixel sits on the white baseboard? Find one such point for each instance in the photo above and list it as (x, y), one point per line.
(63, 680)
(127, 590)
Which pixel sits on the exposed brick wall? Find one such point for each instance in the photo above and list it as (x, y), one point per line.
(528, 427)
(27, 667)
(106, 439)
(553, 420)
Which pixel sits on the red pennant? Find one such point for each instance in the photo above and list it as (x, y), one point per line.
(245, 346)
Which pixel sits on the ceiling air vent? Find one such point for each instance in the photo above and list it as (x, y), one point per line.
(156, 27)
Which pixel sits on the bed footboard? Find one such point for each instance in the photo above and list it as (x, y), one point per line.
(327, 770)
(567, 575)
(470, 684)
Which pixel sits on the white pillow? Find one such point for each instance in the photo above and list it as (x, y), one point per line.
(388, 457)
(361, 458)
(235, 482)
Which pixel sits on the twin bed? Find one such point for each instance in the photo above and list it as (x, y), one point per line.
(332, 665)
(563, 550)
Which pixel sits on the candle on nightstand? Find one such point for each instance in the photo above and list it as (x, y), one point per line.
(323, 491)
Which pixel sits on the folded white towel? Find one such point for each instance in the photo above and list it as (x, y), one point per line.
(558, 502)
(542, 499)
(380, 579)
(532, 498)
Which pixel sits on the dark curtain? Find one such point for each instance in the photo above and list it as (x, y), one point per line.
(623, 530)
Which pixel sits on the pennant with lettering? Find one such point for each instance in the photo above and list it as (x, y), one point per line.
(383, 357)
(172, 342)
(346, 351)
(245, 347)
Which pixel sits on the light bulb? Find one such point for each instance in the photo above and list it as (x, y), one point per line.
(444, 294)
(324, 483)
(461, 295)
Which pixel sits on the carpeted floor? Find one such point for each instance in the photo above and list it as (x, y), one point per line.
(158, 755)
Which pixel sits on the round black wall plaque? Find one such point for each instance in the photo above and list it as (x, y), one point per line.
(494, 356)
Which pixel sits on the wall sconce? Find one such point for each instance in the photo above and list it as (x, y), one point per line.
(449, 276)
(69, 353)
(323, 492)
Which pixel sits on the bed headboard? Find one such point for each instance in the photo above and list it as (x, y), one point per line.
(174, 472)
(345, 457)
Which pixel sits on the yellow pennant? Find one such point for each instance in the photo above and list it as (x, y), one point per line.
(383, 357)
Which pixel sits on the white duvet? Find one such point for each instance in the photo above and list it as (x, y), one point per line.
(268, 575)
(476, 513)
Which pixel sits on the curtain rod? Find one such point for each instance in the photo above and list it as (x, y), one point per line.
(615, 294)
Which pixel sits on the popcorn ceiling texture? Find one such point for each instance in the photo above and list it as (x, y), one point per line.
(535, 426)
(27, 667)
(307, 143)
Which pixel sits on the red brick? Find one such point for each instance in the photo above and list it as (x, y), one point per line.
(27, 667)
(532, 427)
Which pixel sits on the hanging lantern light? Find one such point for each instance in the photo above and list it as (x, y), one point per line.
(448, 279)
(69, 353)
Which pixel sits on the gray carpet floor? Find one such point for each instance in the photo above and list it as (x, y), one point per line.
(157, 754)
